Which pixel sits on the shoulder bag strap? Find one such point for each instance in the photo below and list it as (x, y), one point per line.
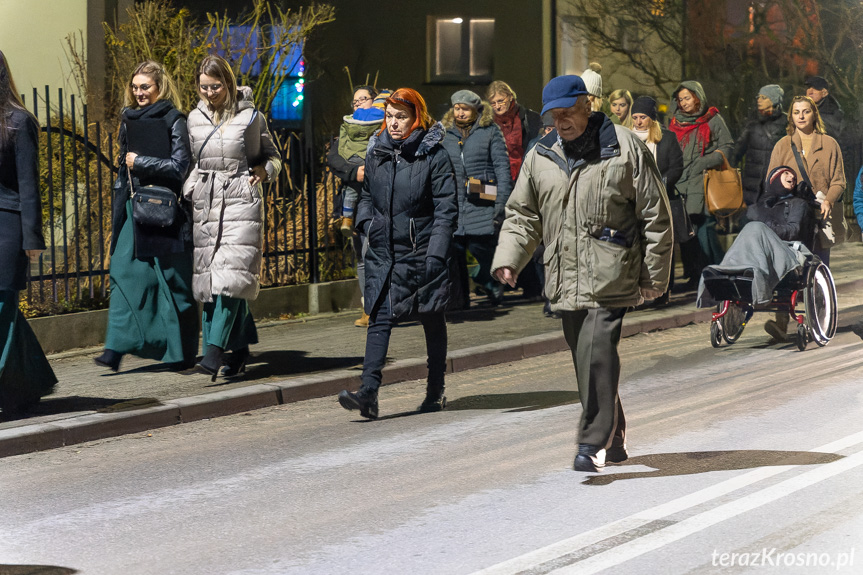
(802, 168)
(201, 150)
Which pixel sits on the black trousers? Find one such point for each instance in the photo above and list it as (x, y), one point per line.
(482, 248)
(381, 323)
(593, 336)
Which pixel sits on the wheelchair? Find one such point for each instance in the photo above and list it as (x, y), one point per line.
(812, 282)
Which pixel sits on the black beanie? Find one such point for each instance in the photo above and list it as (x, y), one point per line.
(644, 105)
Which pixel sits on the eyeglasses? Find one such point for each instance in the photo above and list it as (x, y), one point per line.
(359, 101)
(141, 88)
(215, 88)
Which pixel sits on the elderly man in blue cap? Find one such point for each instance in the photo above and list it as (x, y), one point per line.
(591, 191)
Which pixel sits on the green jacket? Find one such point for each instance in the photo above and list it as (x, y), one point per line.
(691, 183)
(568, 205)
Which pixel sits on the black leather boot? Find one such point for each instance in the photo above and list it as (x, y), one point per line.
(235, 363)
(110, 359)
(365, 400)
(212, 361)
(435, 399)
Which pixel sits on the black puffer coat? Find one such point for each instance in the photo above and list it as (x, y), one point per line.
(408, 211)
(791, 217)
(756, 143)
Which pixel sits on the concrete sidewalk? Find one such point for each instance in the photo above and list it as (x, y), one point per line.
(304, 359)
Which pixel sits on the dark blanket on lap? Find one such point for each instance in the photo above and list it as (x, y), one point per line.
(759, 250)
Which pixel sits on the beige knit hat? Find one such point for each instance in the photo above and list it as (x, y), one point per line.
(592, 79)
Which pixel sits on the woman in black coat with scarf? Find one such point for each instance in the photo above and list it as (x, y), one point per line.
(665, 150)
(152, 313)
(408, 210)
(25, 375)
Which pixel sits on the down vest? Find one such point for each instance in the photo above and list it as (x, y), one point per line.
(408, 211)
(227, 210)
(570, 208)
(481, 155)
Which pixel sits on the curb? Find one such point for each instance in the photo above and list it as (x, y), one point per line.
(93, 426)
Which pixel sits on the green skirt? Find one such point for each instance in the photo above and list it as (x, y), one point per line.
(152, 312)
(228, 323)
(25, 374)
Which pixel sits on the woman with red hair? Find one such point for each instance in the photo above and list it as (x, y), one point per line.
(408, 211)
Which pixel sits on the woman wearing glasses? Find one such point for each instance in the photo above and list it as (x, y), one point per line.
(25, 375)
(408, 211)
(152, 313)
(234, 153)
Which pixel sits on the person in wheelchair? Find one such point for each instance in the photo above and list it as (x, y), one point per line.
(777, 240)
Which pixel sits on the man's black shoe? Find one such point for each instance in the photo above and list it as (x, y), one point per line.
(616, 454)
(685, 287)
(366, 404)
(589, 459)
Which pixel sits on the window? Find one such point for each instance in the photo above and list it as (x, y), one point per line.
(460, 50)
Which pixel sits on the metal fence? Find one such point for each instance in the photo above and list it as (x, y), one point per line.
(77, 172)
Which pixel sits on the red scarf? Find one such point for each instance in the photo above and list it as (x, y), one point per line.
(699, 126)
(510, 125)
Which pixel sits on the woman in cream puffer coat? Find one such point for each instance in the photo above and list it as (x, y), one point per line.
(233, 154)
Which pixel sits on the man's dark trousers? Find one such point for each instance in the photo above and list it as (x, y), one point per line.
(593, 336)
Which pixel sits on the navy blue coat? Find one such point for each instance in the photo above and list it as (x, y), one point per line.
(481, 155)
(20, 199)
(408, 211)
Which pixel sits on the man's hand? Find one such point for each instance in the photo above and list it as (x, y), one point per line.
(649, 294)
(361, 173)
(33, 254)
(506, 276)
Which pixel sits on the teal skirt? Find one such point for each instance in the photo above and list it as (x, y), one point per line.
(25, 374)
(228, 323)
(152, 313)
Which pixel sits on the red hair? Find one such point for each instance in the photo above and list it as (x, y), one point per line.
(409, 98)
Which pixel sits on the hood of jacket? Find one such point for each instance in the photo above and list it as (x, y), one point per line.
(419, 143)
(484, 118)
(697, 89)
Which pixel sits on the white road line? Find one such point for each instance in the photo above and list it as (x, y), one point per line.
(582, 540)
(696, 523)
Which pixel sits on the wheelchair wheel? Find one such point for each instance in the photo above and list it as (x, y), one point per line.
(802, 337)
(733, 323)
(820, 304)
(715, 334)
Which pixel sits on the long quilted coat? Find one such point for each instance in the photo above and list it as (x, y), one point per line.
(481, 155)
(227, 211)
(408, 210)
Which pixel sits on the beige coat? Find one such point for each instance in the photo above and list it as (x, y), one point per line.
(227, 210)
(826, 172)
(568, 208)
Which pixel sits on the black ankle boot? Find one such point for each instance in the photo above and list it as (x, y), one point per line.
(212, 361)
(235, 364)
(365, 400)
(110, 359)
(435, 399)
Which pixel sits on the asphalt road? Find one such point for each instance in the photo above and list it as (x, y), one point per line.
(749, 457)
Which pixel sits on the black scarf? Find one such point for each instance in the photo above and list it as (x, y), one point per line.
(584, 146)
(159, 109)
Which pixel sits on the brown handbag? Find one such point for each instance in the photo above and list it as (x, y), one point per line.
(723, 189)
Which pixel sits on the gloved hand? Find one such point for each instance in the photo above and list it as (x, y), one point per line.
(435, 267)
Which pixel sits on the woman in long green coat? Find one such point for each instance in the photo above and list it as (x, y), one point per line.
(25, 375)
(152, 312)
